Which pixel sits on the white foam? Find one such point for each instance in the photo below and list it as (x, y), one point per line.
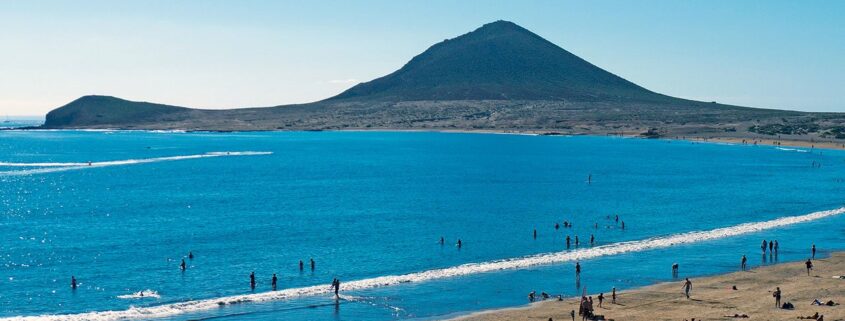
(60, 167)
(792, 149)
(141, 295)
(173, 309)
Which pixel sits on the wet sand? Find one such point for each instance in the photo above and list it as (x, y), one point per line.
(711, 298)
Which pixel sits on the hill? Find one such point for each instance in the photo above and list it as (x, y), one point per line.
(500, 77)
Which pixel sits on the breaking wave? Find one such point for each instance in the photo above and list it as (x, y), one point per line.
(43, 168)
(174, 309)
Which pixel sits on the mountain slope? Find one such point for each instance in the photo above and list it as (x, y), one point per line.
(499, 61)
(95, 110)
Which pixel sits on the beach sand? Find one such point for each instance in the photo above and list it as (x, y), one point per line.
(711, 298)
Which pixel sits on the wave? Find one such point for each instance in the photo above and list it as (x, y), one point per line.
(60, 167)
(141, 295)
(169, 310)
(793, 149)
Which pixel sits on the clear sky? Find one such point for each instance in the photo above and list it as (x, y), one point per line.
(223, 54)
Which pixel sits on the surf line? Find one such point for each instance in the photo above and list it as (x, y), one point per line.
(173, 309)
(43, 168)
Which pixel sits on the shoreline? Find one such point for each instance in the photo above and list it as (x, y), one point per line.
(749, 141)
(712, 297)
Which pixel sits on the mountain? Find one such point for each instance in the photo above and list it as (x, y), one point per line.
(499, 77)
(499, 61)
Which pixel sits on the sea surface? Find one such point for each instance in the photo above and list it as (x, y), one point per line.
(119, 210)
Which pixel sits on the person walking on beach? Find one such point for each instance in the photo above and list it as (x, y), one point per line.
(763, 246)
(744, 261)
(336, 288)
(776, 295)
(613, 295)
(809, 265)
(687, 287)
(601, 298)
(73, 282)
(182, 265)
(252, 280)
(273, 281)
(572, 314)
(312, 264)
(578, 271)
(814, 252)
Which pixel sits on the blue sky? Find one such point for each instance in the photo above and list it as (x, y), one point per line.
(222, 54)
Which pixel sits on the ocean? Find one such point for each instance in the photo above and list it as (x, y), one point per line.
(120, 210)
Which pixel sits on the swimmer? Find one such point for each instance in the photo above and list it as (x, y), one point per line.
(73, 282)
(182, 265)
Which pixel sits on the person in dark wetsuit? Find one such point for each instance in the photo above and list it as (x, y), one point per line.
(809, 265)
(182, 265)
(814, 252)
(301, 265)
(460, 244)
(592, 239)
(601, 298)
(744, 266)
(577, 242)
(273, 282)
(763, 246)
(191, 255)
(557, 226)
(617, 218)
(613, 296)
(337, 288)
(252, 280)
(567, 241)
(535, 233)
(312, 264)
(623, 225)
(443, 241)
(577, 270)
(771, 247)
(73, 282)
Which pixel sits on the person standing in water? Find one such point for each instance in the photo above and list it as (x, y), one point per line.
(687, 287)
(557, 226)
(273, 282)
(252, 280)
(578, 271)
(567, 241)
(590, 179)
(763, 246)
(337, 288)
(576, 241)
(623, 225)
(460, 243)
(535, 233)
(814, 252)
(443, 241)
(592, 239)
(617, 218)
(182, 265)
(674, 270)
(777, 246)
(771, 247)
(312, 264)
(191, 255)
(73, 282)
(301, 265)
(744, 260)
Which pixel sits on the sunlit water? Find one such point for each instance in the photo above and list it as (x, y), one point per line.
(119, 210)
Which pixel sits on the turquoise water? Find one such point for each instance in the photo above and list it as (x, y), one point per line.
(372, 204)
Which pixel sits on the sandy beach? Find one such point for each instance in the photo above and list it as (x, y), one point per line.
(712, 298)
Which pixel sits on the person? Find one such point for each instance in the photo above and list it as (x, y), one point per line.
(312, 264)
(776, 295)
(460, 244)
(814, 252)
(777, 246)
(191, 255)
(590, 179)
(623, 225)
(744, 260)
(809, 265)
(252, 280)
(73, 282)
(572, 314)
(544, 295)
(772, 247)
(617, 218)
(577, 270)
(763, 246)
(182, 265)
(535, 233)
(336, 285)
(557, 226)
(674, 270)
(687, 287)
(567, 241)
(273, 281)
(613, 296)
(577, 242)
(592, 239)
(442, 241)
(301, 265)
(531, 296)
(601, 298)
